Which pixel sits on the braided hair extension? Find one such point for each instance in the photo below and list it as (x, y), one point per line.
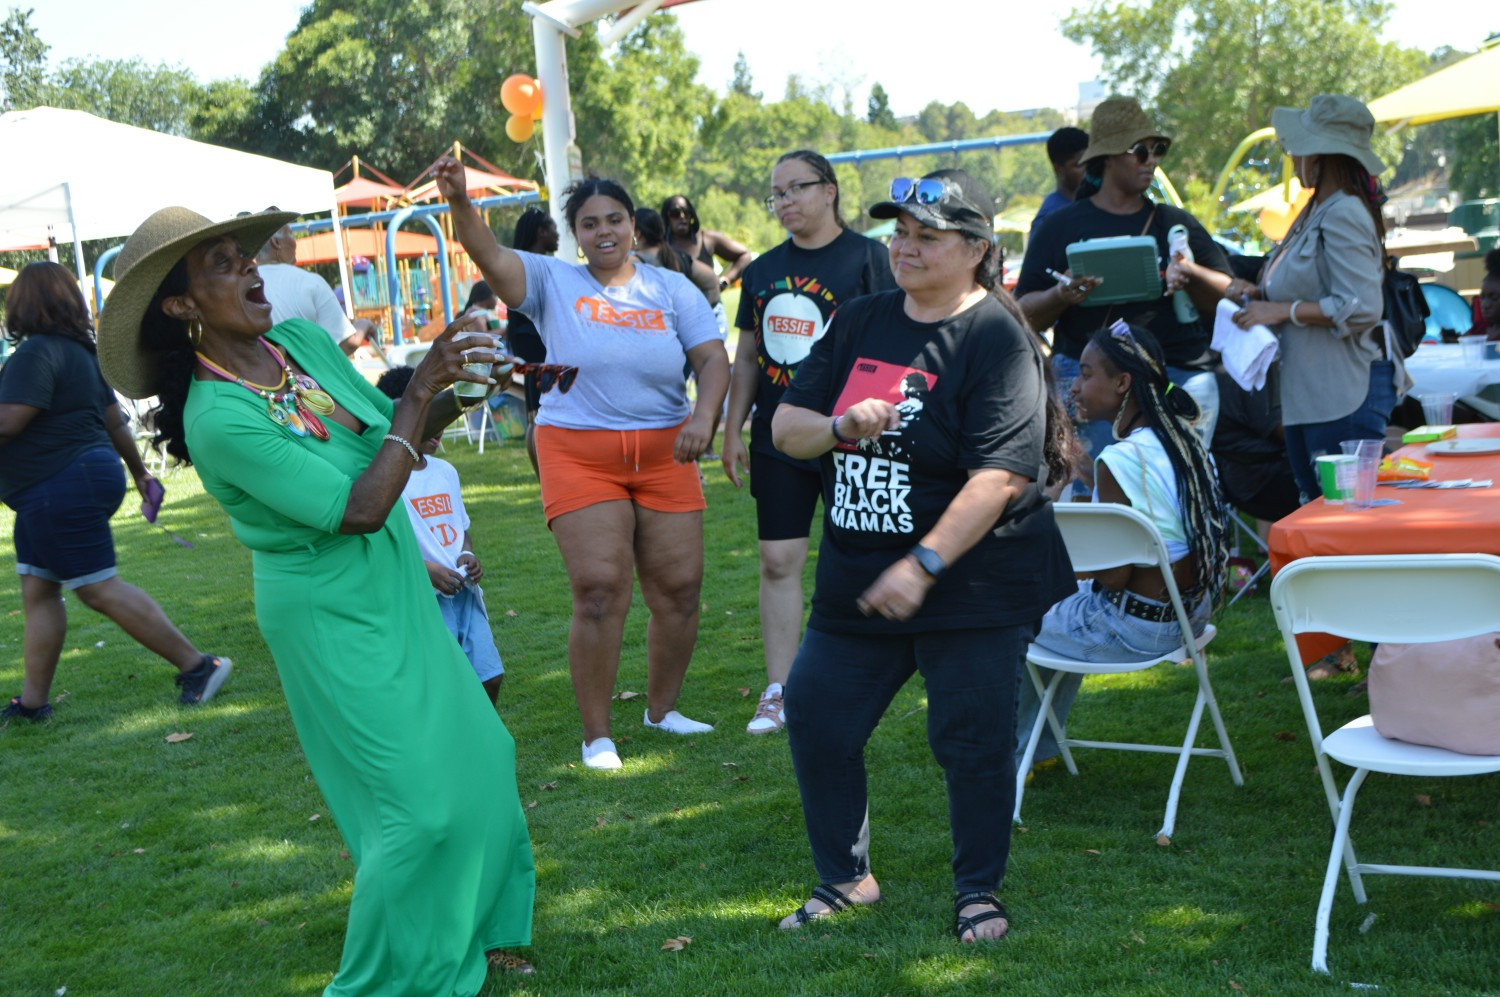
(1131, 349)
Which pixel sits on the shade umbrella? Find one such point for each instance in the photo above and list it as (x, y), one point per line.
(478, 183)
(320, 248)
(362, 192)
(1471, 86)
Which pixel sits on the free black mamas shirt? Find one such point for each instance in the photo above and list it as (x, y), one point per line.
(971, 394)
(787, 296)
(1183, 343)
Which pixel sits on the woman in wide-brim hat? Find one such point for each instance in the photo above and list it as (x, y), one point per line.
(1120, 163)
(1320, 290)
(309, 460)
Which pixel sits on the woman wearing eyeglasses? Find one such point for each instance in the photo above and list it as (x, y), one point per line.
(786, 298)
(616, 440)
(939, 550)
(1125, 147)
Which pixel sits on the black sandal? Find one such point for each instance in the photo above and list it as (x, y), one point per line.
(834, 901)
(971, 923)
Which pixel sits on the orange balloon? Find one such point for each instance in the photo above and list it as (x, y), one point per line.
(518, 93)
(536, 108)
(519, 127)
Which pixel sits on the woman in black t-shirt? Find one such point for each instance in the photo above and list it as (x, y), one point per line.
(62, 436)
(928, 409)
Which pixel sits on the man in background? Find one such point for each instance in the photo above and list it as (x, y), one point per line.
(296, 293)
(1063, 149)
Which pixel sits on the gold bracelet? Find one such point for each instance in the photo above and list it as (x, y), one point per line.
(409, 448)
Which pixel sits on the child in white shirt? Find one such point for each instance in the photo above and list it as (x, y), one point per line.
(438, 517)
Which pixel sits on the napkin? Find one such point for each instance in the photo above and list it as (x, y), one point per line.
(1247, 353)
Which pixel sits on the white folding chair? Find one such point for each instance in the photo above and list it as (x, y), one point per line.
(1100, 536)
(1265, 550)
(1406, 598)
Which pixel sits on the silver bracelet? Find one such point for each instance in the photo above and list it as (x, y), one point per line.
(409, 448)
(1293, 315)
(463, 552)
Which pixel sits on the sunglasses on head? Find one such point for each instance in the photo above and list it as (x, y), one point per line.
(925, 191)
(1120, 330)
(549, 375)
(678, 210)
(1143, 151)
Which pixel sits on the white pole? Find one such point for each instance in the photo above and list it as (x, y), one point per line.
(557, 125)
(338, 245)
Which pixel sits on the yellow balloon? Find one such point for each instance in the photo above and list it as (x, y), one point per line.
(519, 127)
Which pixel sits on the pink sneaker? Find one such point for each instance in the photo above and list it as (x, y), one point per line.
(770, 715)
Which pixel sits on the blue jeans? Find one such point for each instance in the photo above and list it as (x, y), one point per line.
(840, 686)
(62, 523)
(1306, 443)
(1088, 627)
(469, 623)
(1097, 434)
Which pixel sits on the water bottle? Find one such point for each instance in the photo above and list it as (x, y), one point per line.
(1182, 305)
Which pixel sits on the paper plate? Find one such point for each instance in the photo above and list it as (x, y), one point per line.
(1462, 448)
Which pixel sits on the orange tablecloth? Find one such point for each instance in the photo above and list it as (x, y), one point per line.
(1462, 521)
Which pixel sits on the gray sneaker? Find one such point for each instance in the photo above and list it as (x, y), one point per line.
(203, 683)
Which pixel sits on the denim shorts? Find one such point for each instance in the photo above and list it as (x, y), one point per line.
(1089, 627)
(465, 617)
(62, 524)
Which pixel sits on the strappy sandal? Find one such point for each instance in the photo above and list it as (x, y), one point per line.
(834, 901)
(504, 962)
(971, 923)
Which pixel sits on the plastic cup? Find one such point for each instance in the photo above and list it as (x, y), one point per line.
(1473, 347)
(1437, 408)
(471, 389)
(1366, 454)
(1336, 477)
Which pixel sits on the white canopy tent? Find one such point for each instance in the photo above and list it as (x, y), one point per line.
(76, 176)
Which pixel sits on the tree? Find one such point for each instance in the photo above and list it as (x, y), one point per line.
(23, 62)
(742, 84)
(1212, 70)
(879, 110)
(130, 91)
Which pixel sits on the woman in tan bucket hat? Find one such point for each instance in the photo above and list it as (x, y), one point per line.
(309, 460)
(1125, 147)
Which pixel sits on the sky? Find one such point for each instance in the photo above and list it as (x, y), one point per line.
(1019, 59)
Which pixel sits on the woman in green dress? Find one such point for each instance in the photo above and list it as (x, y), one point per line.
(309, 460)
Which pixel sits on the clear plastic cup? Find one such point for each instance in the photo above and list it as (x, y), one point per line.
(1473, 349)
(1366, 454)
(1437, 408)
(471, 389)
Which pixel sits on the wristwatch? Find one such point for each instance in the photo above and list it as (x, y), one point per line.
(929, 561)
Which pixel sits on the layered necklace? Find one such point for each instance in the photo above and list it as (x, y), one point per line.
(297, 407)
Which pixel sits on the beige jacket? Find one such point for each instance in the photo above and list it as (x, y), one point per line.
(1331, 256)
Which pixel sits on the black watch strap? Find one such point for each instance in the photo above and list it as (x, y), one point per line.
(929, 560)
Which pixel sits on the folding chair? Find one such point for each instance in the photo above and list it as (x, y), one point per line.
(1100, 536)
(1406, 598)
(1265, 565)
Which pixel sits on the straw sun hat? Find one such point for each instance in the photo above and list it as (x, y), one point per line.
(148, 255)
(1331, 125)
(1118, 123)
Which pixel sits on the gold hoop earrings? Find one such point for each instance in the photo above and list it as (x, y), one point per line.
(195, 332)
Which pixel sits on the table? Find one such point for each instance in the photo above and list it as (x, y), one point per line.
(1440, 367)
(1463, 521)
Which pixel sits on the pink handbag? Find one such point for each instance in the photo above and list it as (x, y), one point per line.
(1445, 694)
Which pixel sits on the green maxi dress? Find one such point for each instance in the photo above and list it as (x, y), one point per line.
(418, 771)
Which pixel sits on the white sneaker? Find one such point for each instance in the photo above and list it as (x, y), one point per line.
(676, 723)
(770, 715)
(602, 755)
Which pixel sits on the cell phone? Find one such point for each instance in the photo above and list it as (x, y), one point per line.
(155, 492)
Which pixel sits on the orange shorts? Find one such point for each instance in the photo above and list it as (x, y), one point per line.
(583, 467)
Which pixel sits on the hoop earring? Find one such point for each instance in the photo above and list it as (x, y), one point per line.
(195, 332)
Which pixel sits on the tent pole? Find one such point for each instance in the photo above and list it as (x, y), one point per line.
(338, 247)
(77, 244)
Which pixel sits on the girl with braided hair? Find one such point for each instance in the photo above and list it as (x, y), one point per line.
(1158, 466)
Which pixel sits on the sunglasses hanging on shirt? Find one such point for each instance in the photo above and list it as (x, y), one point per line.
(549, 375)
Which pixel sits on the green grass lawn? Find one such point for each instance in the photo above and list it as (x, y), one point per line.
(129, 865)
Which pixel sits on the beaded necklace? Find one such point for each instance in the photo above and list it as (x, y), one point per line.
(297, 409)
